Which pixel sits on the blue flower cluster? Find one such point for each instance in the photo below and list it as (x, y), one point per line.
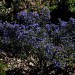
(27, 17)
(24, 17)
(55, 41)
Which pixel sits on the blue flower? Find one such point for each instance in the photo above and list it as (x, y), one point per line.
(1, 25)
(72, 20)
(35, 24)
(58, 64)
(38, 39)
(38, 29)
(23, 13)
(48, 27)
(35, 14)
(45, 34)
(23, 26)
(26, 27)
(16, 25)
(62, 23)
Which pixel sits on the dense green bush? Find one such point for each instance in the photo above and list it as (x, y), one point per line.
(2, 68)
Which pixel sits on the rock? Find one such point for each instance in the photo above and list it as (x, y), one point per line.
(31, 64)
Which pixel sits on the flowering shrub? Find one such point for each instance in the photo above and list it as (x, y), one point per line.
(46, 40)
(34, 33)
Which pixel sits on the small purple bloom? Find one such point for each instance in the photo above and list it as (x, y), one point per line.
(58, 64)
(45, 34)
(62, 23)
(38, 29)
(48, 27)
(72, 20)
(23, 13)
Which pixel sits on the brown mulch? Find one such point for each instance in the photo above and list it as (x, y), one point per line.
(17, 66)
